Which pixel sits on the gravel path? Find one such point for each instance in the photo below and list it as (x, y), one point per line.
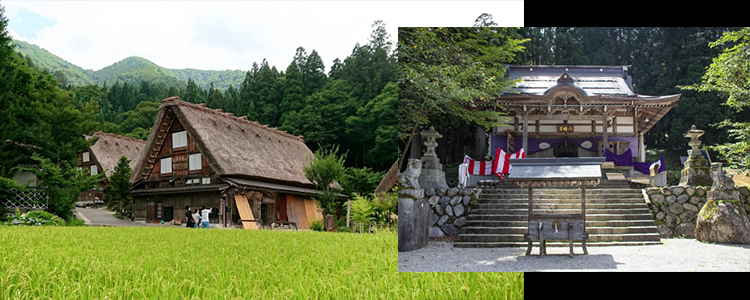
(675, 255)
(101, 216)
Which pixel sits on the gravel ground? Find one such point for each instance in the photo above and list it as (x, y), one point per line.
(675, 255)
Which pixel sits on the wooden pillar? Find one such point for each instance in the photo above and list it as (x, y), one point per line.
(583, 213)
(531, 192)
(223, 210)
(641, 148)
(583, 203)
(525, 133)
(604, 131)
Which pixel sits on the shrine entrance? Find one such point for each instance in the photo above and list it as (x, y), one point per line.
(565, 149)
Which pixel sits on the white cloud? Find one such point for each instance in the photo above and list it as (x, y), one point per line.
(234, 34)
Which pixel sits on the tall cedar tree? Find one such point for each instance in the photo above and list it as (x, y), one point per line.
(118, 196)
(35, 115)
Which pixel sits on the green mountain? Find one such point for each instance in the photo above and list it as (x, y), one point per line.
(43, 59)
(132, 70)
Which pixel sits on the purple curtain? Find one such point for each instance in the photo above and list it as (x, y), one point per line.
(625, 159)
(643, 166)
(536, 145)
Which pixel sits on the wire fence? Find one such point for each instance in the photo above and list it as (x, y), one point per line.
(358, 227)
(26, 199)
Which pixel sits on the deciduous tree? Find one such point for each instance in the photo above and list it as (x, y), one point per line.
(729, 74)
(450, 71)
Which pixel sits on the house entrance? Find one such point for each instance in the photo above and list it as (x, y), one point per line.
(565, 150)
(154, 212)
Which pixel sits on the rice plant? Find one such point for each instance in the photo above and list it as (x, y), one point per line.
(179, 263)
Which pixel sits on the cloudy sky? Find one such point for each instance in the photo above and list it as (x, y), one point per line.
(227, 35)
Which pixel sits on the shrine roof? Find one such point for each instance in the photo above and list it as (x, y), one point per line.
(593, 80)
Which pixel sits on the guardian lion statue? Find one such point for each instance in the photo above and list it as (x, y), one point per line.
(410, 177)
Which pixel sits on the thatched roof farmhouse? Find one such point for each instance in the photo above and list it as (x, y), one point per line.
(103, 155)
(198, 156)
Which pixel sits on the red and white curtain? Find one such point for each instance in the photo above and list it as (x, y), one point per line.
(503, 167)
(499, 166)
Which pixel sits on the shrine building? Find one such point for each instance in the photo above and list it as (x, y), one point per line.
(576, 111)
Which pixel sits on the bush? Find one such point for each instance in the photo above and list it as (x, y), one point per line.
(317, 225)
(362, 210)
(35, 218)
(74, 222)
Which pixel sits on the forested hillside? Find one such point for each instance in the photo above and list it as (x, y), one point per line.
(60, 68)
(353, 106)
(132, 70)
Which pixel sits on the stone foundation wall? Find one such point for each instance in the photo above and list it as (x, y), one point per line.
(676, 208)
(449, 209)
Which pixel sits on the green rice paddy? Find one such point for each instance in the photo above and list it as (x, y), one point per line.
(179, 263)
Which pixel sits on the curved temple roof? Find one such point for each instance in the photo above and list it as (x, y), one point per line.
(593, 80)
(592, 86)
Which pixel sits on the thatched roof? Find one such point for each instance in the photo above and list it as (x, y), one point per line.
(234, 146)
(110, 147)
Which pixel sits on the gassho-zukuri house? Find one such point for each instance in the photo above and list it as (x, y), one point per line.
(103, 156)
(577, 111)
(198, 156)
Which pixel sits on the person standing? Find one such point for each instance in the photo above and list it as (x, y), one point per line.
(190, 222)
(197, 217)
(204, 217)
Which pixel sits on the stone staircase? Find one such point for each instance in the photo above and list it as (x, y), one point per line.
(615, 215)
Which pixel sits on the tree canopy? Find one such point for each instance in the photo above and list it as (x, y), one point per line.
(449, 71)
(729, 74)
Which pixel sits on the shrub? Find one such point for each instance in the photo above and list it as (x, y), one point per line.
(35, 218)
(317, 225)
(74, 222)
(362, 210)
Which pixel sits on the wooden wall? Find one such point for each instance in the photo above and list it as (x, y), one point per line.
(178, 202)
(302, 210)
(180, 161)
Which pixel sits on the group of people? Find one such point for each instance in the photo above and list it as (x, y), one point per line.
(199, 216)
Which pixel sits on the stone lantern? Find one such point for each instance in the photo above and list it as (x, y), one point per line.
(694, 134)
(697, 171)
(432, 176)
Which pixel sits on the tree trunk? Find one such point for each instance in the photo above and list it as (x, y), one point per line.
(480, 143)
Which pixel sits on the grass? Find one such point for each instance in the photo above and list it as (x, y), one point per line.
(179, 263)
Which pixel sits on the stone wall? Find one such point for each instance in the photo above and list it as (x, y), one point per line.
(449, 209)
(676, 208)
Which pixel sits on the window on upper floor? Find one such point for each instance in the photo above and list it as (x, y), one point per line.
(194, 162)
(85, 156)
(179, 139)
(166, 165)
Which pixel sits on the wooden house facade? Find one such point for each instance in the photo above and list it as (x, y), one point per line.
(103, 156)
(196, 156)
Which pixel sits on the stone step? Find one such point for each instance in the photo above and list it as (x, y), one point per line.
(589, 217)
(589, 229)
(589, 223)
(525, 203)
(570, 205)
(615, 215)
(535, 250)
(594, 211)
(560, 192)
(627, 237)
